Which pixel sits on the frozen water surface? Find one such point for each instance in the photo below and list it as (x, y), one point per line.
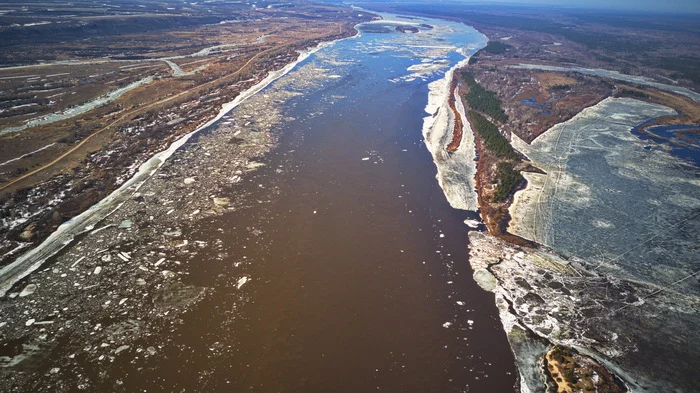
(623, 209)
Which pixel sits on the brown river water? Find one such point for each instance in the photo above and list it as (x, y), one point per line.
(352, 282)
(348, 270)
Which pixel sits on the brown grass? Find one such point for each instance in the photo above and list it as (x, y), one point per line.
(549, 79)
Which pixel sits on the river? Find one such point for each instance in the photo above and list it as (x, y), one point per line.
(361, 280)
(347, 271)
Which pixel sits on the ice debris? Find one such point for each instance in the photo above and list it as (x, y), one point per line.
(28, 290)
(242, 281)
(126, 224)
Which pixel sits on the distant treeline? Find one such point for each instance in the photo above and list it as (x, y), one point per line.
(569, 31)
(493, 47)
(687, 67)
(633, 94)
(496, 47)
(483, 100)
(493, 139)
(559, 87)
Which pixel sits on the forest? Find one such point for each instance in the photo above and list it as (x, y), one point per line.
(493, 139)
(483, 100)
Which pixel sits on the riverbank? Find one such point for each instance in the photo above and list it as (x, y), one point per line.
(70, 181)
(553, 298)
(125, 255)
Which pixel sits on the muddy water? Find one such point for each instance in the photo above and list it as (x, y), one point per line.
(357, 269)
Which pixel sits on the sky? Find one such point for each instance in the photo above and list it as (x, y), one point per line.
(683, 6)
(659, 5)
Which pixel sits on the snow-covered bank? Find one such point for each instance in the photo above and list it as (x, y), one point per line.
(66, 233)
(629, 327)
(455, 171)
(593, 206)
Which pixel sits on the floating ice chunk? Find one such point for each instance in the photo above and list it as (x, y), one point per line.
(470, 322)
(447, 324)
(221, 202)
(28, 290)
(189, 180)
(97, 270)
(30, 322)
(242, 281)
(77, 262)
(472, 223)
(460, 303)
(126, 224)
(174, 233)
(442, 235)
(55, 370)
(365, 159)
(120, 349)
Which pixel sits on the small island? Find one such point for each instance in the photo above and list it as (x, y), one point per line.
(407, 29)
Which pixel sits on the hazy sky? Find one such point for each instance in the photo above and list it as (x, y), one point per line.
(661, 5)
(689, 6)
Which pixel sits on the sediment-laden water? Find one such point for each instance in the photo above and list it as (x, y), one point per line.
(332, 263)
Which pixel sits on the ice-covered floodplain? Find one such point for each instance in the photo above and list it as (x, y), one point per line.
(623, 205)
(615, 75)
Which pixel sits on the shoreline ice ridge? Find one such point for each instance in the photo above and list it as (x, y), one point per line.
(455, 171)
